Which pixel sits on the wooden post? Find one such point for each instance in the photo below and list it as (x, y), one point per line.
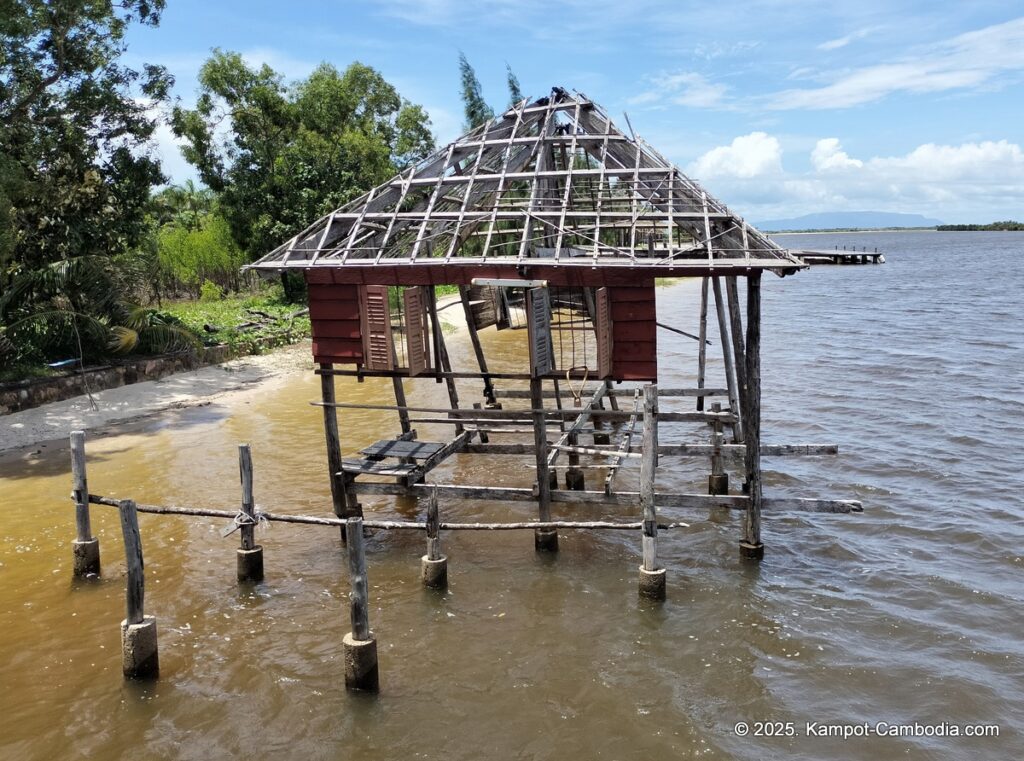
(85, 547)
(727, 358)
(702, 341)
(544, 541)
(434, 565)
(478, 348)
(396, 382)
(249, 557)
(441, 353)
(736, 325)
(652, 577)
(750, 545)
(360, 646)
(139, 656)
(718, 481)
(345, 503)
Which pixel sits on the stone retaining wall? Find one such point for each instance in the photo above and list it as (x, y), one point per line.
(23, 395)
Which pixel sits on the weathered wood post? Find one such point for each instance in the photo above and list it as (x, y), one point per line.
(750, 545)
(728, 359)
(702, 341)
(139, 655)
(652, 577)
(543, 540)
(85, 547)
(345, 503)
(360, 645)
(249, 563)
(434, 565)
(718, 481)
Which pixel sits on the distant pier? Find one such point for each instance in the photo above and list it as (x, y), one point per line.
(838, 256)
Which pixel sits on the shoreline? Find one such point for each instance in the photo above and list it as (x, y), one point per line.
(36, 427)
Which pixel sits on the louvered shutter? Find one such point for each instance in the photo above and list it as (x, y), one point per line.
(603, 328)
(417, 345)
(376, 319)
(539, 324)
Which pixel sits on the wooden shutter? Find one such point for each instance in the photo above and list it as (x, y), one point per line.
(539, 324)
(376, 328)
(416, 342)
(603, 328)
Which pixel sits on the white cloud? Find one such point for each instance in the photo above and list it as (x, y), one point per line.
(842, 42)
(682, 88)
(748, 156)
(828, 155)
(970, 181)
(969, 60)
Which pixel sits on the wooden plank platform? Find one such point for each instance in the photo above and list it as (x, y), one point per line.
(414, 450)
(378, 468)
(837, 256)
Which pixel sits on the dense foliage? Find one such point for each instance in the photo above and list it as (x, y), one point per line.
(1007, 225)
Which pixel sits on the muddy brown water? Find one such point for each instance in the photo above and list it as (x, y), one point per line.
(909, 613)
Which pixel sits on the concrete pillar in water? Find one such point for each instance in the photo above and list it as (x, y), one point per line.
(140, 657)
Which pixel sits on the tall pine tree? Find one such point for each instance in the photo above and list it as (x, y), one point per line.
(477, 110)
(515, 94)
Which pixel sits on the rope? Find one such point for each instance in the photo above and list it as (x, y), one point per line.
(577, 391)
(242, 518)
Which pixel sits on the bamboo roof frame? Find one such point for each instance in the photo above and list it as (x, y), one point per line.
(550, 182)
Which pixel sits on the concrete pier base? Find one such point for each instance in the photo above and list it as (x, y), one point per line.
(574, 480)
(601, 437)
(86, 557)
(545, 541)
(139, 655)
(434, 572)
(250, 564)
(718, 484)
(361, 663)
(652, 584)
(751, 551)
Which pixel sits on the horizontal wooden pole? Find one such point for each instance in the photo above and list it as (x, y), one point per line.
(672, 450)
(516, 393)
(388, 525)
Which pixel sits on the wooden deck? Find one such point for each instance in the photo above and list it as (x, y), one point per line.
(838, 256)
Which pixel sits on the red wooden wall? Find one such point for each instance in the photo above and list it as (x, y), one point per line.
(334, 312)
(634, 333)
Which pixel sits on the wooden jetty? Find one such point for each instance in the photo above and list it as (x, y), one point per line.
(550, 219)
(838, 255)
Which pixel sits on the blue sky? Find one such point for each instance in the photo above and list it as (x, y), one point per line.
(780, 107)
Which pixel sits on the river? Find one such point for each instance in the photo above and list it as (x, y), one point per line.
(910, 612)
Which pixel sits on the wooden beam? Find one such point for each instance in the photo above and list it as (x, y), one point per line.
(750, 545)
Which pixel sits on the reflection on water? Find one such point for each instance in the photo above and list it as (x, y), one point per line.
(908, 612)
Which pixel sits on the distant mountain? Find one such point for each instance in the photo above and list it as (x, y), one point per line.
(844, 220)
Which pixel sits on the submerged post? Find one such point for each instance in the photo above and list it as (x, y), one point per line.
(360, 645)
(652, 577)
(85, 547)
(750, 545)
(718, 481)
(434, 565)
(139, 655)
(702, 342)
(250, 555)
(728, 359)
(543, 540)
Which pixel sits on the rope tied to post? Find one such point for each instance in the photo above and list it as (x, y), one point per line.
(242, 518)
(577, 391)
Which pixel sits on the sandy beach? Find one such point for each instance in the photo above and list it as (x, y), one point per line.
(28, 429)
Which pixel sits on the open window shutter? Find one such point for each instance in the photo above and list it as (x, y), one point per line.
(376, 317)
(417, 345)
(603, 328)
(539, 323)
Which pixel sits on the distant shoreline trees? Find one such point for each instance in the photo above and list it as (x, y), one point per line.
(1007, 225)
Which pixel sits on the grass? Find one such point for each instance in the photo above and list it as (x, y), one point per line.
(217, 322)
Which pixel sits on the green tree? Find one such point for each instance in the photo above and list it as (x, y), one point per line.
(477, 110)
(293, 154)
(515, 93)
(75, 176)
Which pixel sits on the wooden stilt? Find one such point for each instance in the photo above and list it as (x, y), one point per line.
(727, 358)
(139, 656)
(441, 353)
(478, 350)
(546, 541)
(396, 382)
(702, 351)
(750, 545)
(736, 325)
(434, 565)
(360, 645)
(345, 503)
(85, 547)
(250, 555)
(718, 481)
(652, 576)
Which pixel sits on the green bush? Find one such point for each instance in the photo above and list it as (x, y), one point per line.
(210, 291)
